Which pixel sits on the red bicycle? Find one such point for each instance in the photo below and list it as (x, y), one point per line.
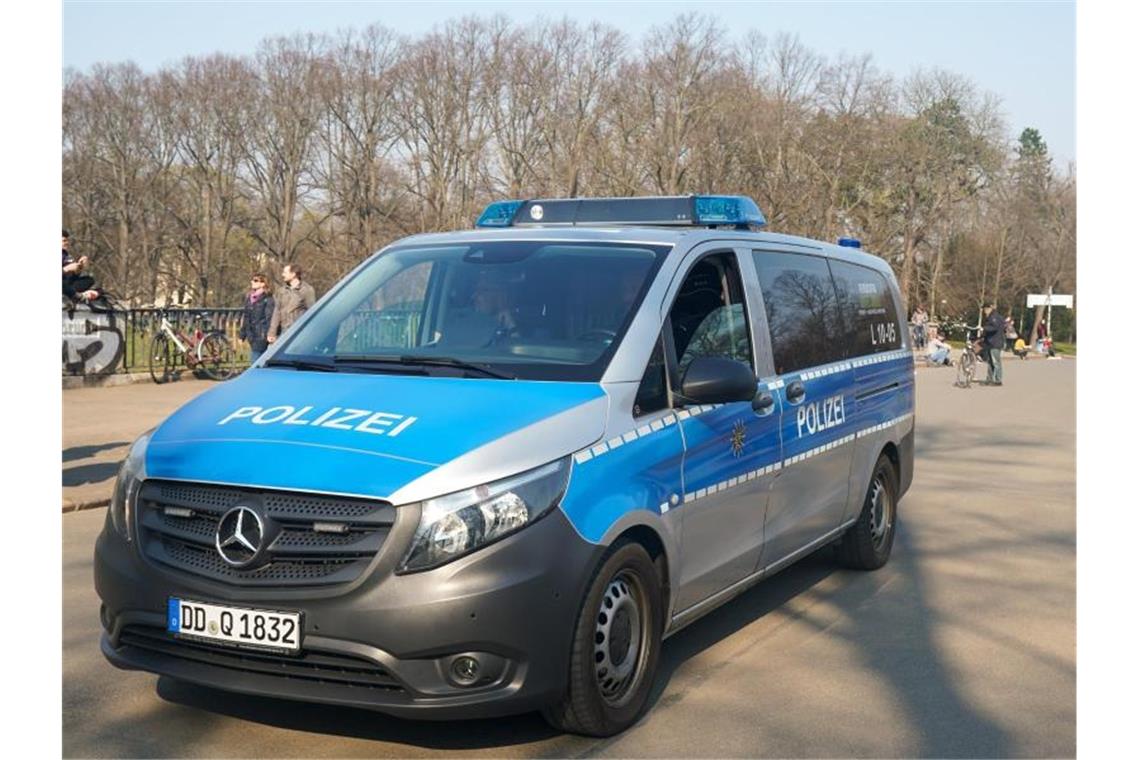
(205, 350)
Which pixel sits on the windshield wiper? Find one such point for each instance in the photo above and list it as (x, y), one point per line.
(423, 361)
(302, 364)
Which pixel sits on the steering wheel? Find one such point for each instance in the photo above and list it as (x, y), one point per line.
(599, 335)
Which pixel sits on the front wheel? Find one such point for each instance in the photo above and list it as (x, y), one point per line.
(617, 642)
(216, 356)
(161, 359)
(867, 543)
(967, 363)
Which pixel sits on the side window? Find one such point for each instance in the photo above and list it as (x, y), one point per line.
(708, 315)
(867, 308)
(653, 393)
(389, 318)
(803, 314)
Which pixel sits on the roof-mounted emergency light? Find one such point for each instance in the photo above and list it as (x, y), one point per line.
(738, 211)
(849, 243)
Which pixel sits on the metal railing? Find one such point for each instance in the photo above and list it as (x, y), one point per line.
(105, 342)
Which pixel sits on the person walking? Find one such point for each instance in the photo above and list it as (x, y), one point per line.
(292, 300)
(258, 311)
(993, 336)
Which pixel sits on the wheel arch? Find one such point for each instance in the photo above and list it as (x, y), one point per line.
(658, 543)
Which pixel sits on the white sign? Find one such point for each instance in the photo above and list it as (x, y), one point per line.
(1046, 299)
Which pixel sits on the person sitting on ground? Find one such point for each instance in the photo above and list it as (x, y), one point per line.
(938, 350)
(1020, 349)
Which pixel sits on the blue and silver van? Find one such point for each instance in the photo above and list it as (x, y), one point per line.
(492, 470)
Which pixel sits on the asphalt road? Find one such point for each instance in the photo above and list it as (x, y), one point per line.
(964, 645)
(99, 425)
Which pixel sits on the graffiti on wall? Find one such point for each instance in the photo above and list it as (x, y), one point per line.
(92, 341)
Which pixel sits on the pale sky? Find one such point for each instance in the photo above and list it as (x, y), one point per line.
(1023, 52)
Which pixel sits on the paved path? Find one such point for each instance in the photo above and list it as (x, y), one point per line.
(100, 423)
(964, 645)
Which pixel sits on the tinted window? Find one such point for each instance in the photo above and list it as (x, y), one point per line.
(803, 316)
(867, 308)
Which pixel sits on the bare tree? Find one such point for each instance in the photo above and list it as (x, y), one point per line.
(279, 122)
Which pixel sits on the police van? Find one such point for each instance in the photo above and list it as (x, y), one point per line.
(492, 470)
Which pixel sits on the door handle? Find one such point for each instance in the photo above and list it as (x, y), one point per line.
(764, 403)
(795, 392)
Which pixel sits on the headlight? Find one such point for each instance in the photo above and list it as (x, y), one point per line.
(131, 474)
(459, 523)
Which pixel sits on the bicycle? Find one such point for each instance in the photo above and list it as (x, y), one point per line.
(968, 361)
(207, 350)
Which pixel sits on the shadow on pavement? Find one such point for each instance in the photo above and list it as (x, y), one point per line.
(83, 452)
(356, 723)
(894, 637)
(89, 473)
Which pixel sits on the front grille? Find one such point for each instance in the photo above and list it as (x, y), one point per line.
(178, 523)
(320, 667)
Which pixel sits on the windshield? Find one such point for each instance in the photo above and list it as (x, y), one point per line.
(527, 309)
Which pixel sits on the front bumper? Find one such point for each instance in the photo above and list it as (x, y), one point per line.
(384, 642)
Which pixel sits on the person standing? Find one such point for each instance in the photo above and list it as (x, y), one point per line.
(993, 336)
(258, 311)
(920, 319)
(1010, 334)
(292, 300)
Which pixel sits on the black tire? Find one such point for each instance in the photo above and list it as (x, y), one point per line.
(216, 356)
(967, 365)
(161, 359)
(606, 635)
(867, 544)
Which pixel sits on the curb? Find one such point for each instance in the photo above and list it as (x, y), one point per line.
(70, 382)
(75, 506)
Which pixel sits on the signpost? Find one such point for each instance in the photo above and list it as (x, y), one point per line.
(1049, 300)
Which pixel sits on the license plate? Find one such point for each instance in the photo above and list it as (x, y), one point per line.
(236, 626)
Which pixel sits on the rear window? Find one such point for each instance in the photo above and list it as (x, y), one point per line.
(868, 309)
(803, 316)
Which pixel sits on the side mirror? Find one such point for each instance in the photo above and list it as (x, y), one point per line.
(715, 380)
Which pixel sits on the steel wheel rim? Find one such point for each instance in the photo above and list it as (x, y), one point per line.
(621, 637)
(882, 512)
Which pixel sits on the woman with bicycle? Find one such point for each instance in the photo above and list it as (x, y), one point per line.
(258, 306)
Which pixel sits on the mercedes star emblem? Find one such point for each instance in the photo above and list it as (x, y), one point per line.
(239, 537)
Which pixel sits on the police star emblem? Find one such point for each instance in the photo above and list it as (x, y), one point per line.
(737, 438)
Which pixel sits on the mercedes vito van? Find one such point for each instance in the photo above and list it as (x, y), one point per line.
(492, 470)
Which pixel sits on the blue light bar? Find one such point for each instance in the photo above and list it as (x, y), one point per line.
(669, 211)
(728, 209)
(499, 214)
(849, 243)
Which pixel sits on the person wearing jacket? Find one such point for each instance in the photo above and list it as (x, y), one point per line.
(292, 300)
(258, 313)
(993, 336)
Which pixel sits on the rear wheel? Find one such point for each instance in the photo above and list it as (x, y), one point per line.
(617, 642)
(216, 356)
(867, 544)
(161, 359)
